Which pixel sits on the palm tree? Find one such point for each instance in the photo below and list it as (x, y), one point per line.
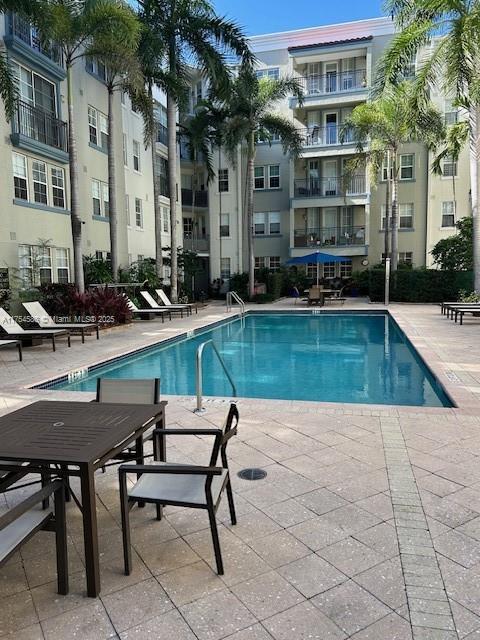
(381, 128)
(193, 35)
(251, 107)
(122, 73)
(447, 35)
(73, 25)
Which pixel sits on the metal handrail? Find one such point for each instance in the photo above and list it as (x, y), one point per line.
(234, 295)
(199, 382)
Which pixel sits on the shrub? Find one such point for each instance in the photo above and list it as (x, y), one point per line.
(419, 285)
(263, 298)
(464, 296)
(96, 271)
(239, 283)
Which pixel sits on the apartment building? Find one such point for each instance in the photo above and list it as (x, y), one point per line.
(35, 232)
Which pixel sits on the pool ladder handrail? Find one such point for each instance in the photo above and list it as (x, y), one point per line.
(199, 372)
(230, 298)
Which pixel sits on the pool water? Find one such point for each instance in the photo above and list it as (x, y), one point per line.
(329, 357)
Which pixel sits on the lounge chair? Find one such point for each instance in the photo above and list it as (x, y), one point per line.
(41, 317)
(148, 314)
(155, 305)
(13, 343)
(166, 301)
(15, 331)
(448, 308)
(182, 485)
(459, 312)
(23, 520)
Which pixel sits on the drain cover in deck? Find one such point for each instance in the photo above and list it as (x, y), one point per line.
(252, 474)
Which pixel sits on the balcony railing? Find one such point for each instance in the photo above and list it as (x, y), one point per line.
(330, 187)
(196, 243)
(344, 236)
(22, 29)
(334, 82)
(39, 125)
(162, 134)
(201, 198)
(325, 136)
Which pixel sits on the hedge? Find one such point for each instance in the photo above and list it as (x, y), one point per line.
(419, 285)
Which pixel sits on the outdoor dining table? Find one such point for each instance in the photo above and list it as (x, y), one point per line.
(77, 438)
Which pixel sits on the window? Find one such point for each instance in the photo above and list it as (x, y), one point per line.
(162, 167)
(274, 263)
(273, 73)
(106, 200)
(96, 67)
(266, 223)
(34, 90)
(98, 128)
(405, 216)
(136, 155)
(266, 136)
(259, 178)
(385, 170)
(451, 113)
(329, 269)
(449, 168)
(127, 208)
(274, 176)
(225, 269)
(407, 161)
(224, 225)
(40, 189)
(20, 181)
(35, 264)
(62, 264)
(410, 69)
(140, 257)
(274, 222)
(125, 150)
(96, 202)
(58, 187)
(260, 262)
(259, 224)
(384, 217)
(448, 214)
(165, 218)
(223, 180)
(406, 257)
(345, 269)
(311, 270)
(138, 213)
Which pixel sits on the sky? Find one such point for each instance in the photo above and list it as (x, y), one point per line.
(259, 17)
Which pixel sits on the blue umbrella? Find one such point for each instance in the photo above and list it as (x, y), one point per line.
(317, 258)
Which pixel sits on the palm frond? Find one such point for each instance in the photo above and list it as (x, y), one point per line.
(8, 87)
(290, 137)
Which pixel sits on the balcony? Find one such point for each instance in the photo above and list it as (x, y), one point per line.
(199, 244)
(330, 187)
(201, 198)
(339, 82)
(316, 238)
(37, 130)
(325, 136)
(24, 37)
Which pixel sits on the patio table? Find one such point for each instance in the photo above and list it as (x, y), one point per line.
(79, 437)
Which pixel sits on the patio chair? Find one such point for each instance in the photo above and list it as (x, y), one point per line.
(315, 296)
(21, 522)
(166, 301)
(148, 314)
(12, 343)
(15, 331)
(41, 317)
(182, 485)
(155, 305)
(336, 296)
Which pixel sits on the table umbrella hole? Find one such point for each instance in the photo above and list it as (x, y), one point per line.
(252, 474)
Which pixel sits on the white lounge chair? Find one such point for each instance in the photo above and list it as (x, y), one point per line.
(41, 317)
(147, 314)
(166, 301)
(15, 331)
(155, 305)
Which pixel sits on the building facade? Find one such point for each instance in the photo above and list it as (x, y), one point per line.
(300, 205)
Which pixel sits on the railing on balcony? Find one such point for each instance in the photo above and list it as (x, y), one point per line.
(22, 29)
(162, 134)
(345, 236)
(201, 198)
(334, 82)
(324, 136)
(196, 243)
(330, 187)
(39, 125)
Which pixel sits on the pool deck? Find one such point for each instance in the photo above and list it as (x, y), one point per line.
(367, 525)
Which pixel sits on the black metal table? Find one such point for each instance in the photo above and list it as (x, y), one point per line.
(78, 437)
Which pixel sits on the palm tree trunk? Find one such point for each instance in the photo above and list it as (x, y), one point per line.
(250, 183)
(172, 188)
(387, 218)
(394, 213)
(75, 219)
(112, 188)
(156, 198)
(474, 143)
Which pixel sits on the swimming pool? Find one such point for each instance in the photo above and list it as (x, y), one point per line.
(338, 357)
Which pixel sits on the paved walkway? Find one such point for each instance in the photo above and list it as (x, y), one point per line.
(367, 525)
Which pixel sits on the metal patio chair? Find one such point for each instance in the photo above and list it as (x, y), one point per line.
(182, 485)
(21, 522)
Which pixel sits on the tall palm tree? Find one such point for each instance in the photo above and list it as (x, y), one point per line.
(73, 25)
(446, 33)
(193, 35)
(381, 128)
(252, 114)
